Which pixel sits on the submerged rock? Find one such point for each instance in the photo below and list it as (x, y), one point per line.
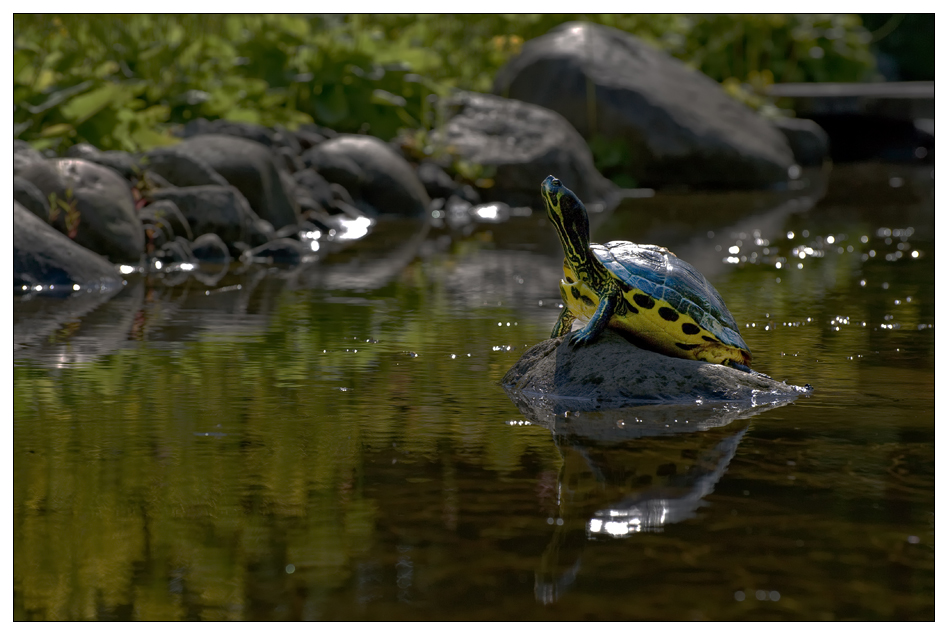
(679, 125)
(613, 373)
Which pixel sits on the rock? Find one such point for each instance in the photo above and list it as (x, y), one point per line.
(95, 206)
(24, 154)
(81, 329)
(314, 189)
(679, 125)
(166, 213)
(612, 373)
(437, 182)
(372, 172)
(30, 197)
(122, 162)
(341, 195)
(308, 138)
(176, 252)
(154, 181)
(808, 141)
(210, 248)
(216, 209)
(250, 167)
(44, 257)
(335, 168)
(156, 235)
(279, 251)
(522, 143)
(288, 160)
(181, 169)
(253, 132)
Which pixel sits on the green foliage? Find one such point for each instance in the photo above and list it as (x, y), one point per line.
(119, 82)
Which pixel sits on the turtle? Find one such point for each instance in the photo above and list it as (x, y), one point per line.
(645, 292)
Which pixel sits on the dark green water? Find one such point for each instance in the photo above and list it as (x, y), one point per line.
(332, 443)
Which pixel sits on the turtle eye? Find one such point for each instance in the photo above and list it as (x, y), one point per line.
(556, 182)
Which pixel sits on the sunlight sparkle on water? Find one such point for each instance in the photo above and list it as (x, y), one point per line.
(354, 229)
(487, 212)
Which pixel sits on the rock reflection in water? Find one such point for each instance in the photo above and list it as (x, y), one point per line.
(630, 471)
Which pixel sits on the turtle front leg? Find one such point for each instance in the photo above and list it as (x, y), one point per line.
(564, 323)
(600, 319)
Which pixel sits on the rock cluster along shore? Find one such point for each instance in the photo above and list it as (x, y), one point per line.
(233, 190)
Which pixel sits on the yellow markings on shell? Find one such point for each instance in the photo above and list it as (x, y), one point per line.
(652, 321)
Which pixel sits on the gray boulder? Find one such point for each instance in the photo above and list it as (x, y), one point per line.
(372, 172)
(284, 251)
(808, 141)
(250, 167)
(30, 197)
(437, 182)
(95, 206)
(176, 252)
(210, 248)
(181, 168)
(217, 209)
(122, 162)
(612, 373)
(43, 257)
(522, 143)
(24, 154)
(166, 214)
(313, 191)
(252, 131)
(680, 127)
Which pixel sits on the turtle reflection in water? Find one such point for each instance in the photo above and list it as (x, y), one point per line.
(643, 291)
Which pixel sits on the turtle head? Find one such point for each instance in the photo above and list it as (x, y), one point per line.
(568, 215)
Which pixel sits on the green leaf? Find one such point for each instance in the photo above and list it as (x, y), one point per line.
(385, 98)
(147, 138)
(23, 60)
(56, 130)
(84, 106)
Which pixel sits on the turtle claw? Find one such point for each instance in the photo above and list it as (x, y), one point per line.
(580, 338)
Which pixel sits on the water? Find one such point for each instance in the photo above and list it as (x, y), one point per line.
(334, 443)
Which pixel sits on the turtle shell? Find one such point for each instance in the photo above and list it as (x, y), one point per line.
(662, 275)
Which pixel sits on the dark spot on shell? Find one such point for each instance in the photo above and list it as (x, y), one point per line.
(690, 329)
(710, 339)
(587, 301)
(643, 300)
(575, 292)
(668, 314)
(569, 280)
(686, 347)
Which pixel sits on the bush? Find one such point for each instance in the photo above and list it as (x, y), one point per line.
(120, 82)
